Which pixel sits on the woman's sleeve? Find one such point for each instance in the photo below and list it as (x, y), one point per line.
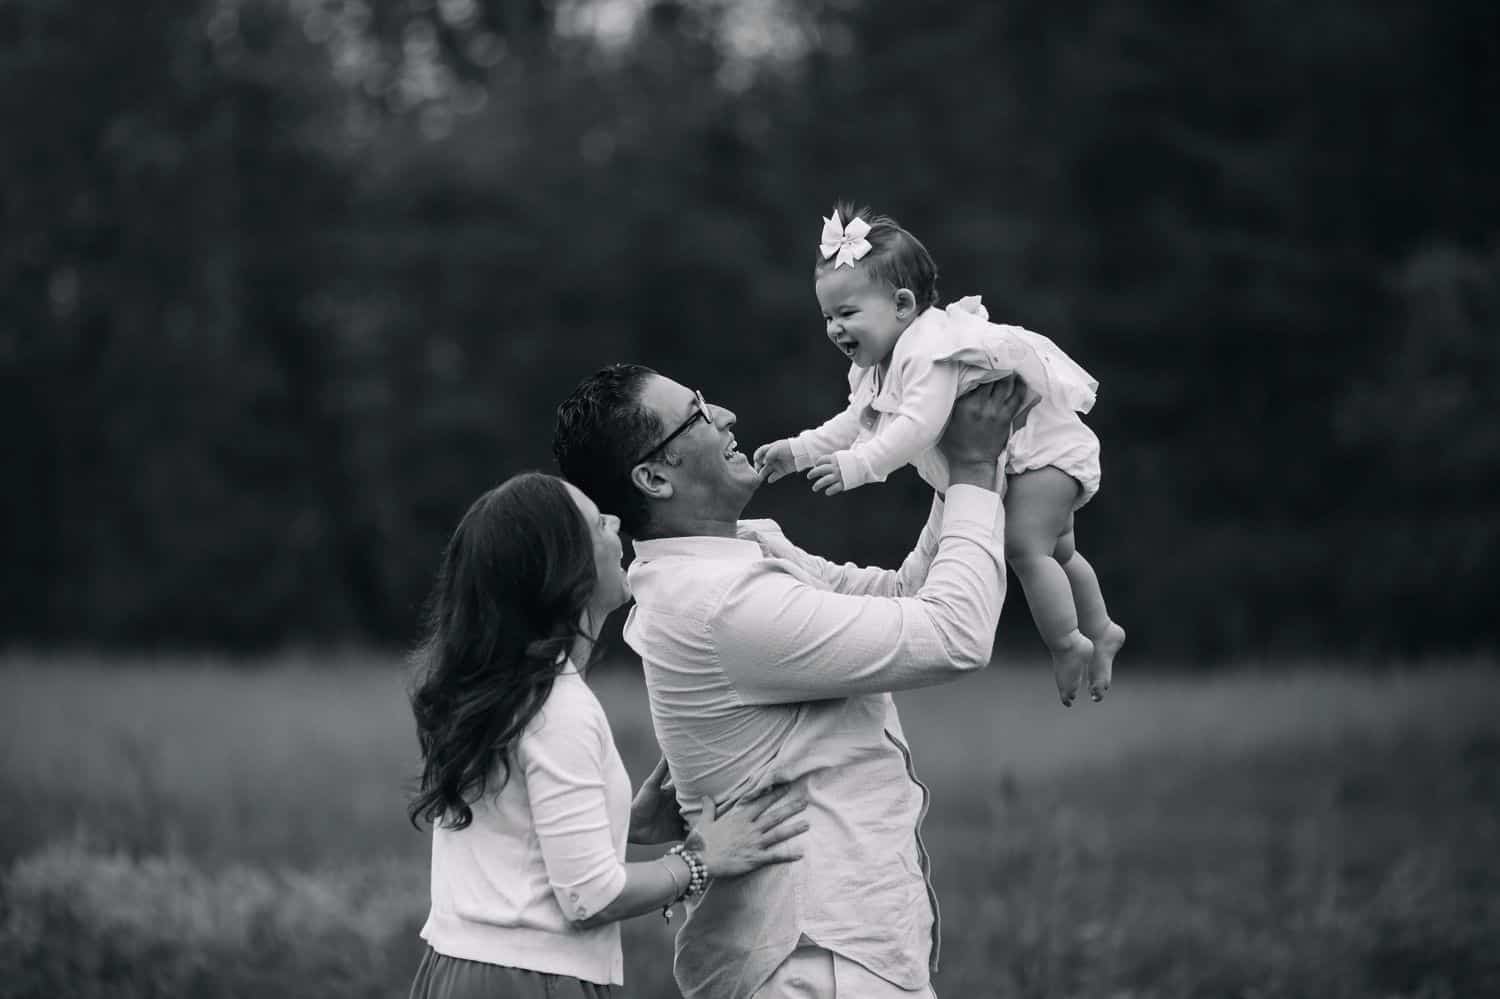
(562, 758)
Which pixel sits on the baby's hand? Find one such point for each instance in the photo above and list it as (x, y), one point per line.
(774, 460)
(826, 476)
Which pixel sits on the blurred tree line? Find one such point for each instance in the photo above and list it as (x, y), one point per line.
(287, 283)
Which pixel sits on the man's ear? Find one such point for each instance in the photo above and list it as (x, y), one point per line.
(906, 302)
(650, 481)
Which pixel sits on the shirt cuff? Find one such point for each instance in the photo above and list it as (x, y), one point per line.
(855, 471)
(581, 901)
(975, 513)
(802, 456)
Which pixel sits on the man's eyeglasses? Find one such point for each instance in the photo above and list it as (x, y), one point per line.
(700, 412)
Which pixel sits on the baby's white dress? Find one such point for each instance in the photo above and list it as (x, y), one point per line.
(897, 418)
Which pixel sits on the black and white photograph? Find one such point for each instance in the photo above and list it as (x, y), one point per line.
(749, 499)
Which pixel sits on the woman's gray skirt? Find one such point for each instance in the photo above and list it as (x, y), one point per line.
(442, 977)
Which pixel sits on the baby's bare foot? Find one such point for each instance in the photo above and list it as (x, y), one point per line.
(1069, 660)
(1102, 665)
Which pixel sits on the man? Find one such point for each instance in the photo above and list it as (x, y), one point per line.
(767, 665)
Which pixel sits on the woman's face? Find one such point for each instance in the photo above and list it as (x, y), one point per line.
(611, 590)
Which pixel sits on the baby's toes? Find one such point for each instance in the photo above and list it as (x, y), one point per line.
(1069, 663)
(1102, 663)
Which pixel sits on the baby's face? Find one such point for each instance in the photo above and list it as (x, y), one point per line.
(861, 316)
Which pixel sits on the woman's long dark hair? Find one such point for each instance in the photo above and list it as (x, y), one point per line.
(513, 584)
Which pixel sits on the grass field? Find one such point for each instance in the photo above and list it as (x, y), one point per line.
(193, 829)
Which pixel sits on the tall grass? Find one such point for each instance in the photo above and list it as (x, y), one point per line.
(191, 828)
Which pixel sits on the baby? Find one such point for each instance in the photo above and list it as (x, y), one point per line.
(910, 359)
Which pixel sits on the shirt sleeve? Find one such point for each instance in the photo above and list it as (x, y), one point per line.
(858, 579)
(781, 639)
(928, 389)
(563, 762)
(834, 435)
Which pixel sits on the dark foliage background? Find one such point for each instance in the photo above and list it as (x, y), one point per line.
(284, 284)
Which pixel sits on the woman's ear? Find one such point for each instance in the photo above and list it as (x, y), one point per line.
(648, 480)
(906, 302)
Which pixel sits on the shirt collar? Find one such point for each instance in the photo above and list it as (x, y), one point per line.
(698, 546)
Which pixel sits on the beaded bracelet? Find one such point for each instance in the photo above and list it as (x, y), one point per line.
(699, 879)
(697, 876)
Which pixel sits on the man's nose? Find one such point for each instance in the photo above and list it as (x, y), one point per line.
(725, 418)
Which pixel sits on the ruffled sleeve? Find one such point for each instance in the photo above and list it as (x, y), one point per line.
(969, 338)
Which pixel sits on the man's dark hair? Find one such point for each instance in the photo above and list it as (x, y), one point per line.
(601, 426)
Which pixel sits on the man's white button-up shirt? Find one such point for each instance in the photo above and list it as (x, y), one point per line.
(765, 665)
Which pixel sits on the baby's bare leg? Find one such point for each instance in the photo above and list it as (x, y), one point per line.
(1038, 505)
(1093, 616)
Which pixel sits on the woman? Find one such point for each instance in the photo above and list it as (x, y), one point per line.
(530, 804)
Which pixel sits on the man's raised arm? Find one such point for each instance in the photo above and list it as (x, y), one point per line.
(847, 577)
(782, 640)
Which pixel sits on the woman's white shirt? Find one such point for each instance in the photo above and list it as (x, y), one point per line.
(551, 841)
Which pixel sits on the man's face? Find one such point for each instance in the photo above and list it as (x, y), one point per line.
(713, 475)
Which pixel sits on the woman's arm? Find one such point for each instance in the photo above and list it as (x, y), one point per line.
(649, 885)
(752, 834)
(562, 757)
(562, 761)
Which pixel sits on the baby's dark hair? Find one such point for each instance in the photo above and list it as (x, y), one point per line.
(896, 258)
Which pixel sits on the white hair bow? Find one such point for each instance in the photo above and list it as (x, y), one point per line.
(847, 241)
